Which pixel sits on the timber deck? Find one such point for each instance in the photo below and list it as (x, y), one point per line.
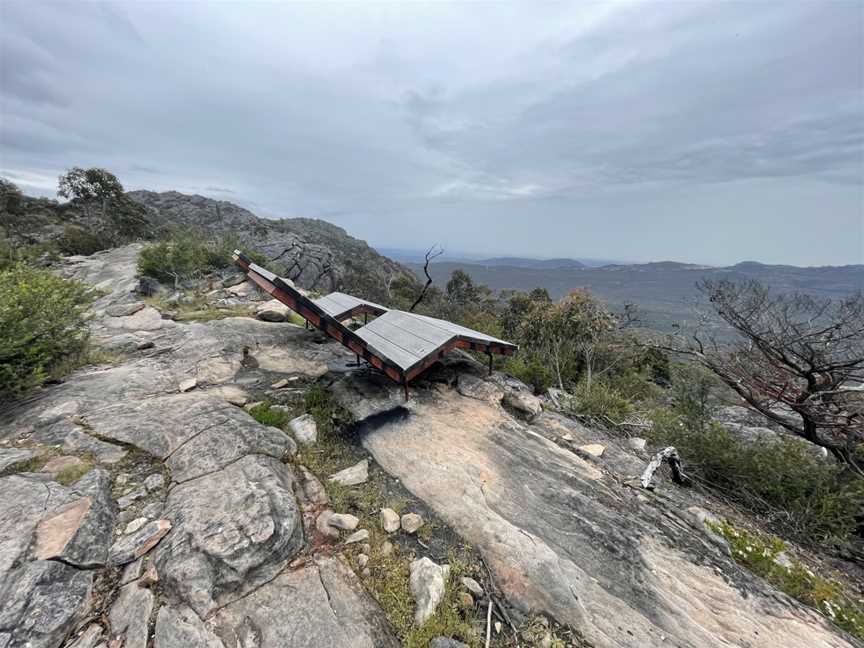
(400, 344)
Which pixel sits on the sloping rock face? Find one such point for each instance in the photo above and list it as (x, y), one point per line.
(204, 493)
(567, 536)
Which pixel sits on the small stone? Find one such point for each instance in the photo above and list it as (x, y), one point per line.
(144, 344)
(366, 548)
(304, 429)
(411, 522)
(472, 586)
(466, 600)
(497, 627)
(637, 443)
(362, 560)
(279, 384)
(357, 536)
(593, 449)
(188, 384)
(427, 582)
(546, 641)
(344, 521)
(356, 474)
(567, 437)
(386, 548)
(234, 395)
(154, 482)
(121, 480)
(312, 488)
(366, 572)
(135, 545)
(135, 524)
(322, 523)
(127, 500)
(389, 520)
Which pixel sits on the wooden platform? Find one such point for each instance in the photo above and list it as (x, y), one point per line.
(399, 343)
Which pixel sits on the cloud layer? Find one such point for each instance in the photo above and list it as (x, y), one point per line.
(710, 132)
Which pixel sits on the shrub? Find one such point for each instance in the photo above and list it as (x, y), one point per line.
(76, 240)
(328, 415)
(600, 401)
(531, 371)
(42, 326)
(266, 414)
(778, 479)
(759, 554)
(186, 255)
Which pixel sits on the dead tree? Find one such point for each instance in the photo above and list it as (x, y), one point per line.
(431, 253)
(798, 361)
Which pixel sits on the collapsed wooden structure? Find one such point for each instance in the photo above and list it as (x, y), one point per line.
(399, 343)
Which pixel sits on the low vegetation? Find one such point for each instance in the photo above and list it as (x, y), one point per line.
(43, 327)
(768, 557)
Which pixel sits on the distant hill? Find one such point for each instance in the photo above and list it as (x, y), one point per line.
(665, 291)
(538, 264)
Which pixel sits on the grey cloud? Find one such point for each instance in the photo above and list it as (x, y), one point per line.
(583, 129)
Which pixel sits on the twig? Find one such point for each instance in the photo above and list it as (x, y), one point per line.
(489, 623)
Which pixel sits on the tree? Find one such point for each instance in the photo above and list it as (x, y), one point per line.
(460, 289)
(568, 331)
(798, 360)
(431, 253)
(86, 185)
(10, 196)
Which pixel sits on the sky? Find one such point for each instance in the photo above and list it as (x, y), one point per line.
(708, 132)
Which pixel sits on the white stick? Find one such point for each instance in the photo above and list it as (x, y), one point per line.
(489, 623)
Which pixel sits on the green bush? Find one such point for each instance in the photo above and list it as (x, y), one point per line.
(779, 479)
(42, 327)
(600, 401)
(186, 255)
(531, 371)
(328, 415)
(76, 240)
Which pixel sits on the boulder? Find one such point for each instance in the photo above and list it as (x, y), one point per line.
(427, 583)
(389, 520)
(304, 429)
(130, 615)
(352, 476)
(43, 601)
(474, 387)
(273, 311)
(234, 529)
(523, 403)
(319, 604)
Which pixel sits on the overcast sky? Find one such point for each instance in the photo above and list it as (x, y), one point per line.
(706, 132)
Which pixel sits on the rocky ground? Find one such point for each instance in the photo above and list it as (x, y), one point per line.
(142, 505)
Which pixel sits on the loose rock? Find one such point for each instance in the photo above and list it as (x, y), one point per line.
(427, 586)
(637, 443)
(472, 586)
(357, 536)
(188, 384)
(154, 482)
(411, 522)
(524, 403)
(356, 474)
(272, 311)
(389, 520)
(322, 523)
(343, 521)
(593, 449)
(128, 500)
(304, 429)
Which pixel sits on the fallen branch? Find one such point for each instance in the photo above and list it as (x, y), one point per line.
(670, 456)
(489, 623)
